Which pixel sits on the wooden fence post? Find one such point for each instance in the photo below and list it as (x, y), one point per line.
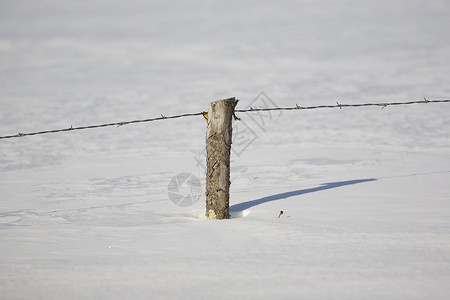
(218, 146)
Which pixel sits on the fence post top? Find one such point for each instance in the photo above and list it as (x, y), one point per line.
(225, 100)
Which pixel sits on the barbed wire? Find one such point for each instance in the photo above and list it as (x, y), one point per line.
(339, 105)
(251, 109)
(118, 124)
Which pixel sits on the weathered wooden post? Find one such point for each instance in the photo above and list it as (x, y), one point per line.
(218, 146)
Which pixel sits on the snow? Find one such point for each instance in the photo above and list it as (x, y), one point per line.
(364, 191)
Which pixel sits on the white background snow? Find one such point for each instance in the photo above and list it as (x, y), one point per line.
(365, 192)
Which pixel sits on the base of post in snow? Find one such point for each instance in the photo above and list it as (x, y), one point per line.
(218, 147)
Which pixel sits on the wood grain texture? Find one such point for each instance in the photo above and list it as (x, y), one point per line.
(218, 146)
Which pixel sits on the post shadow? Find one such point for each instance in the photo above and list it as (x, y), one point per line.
(324, 186)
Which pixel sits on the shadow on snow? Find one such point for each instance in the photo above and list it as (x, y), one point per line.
(325, 186)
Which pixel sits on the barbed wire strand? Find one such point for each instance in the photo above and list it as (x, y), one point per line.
(118, 124)
(296, 107)
(339, 105)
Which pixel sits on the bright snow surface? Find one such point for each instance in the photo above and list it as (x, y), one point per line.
(365, 192)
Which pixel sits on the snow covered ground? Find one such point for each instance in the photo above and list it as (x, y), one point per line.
(365, 192)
